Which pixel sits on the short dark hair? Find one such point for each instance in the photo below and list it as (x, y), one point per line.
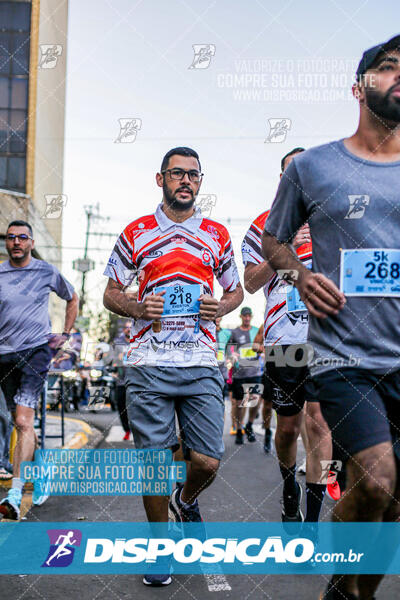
(20, 224)
(181, 151)
(294, 151)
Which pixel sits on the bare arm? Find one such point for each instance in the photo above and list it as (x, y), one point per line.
(126, 304)
(319, 294)
(258, 342)
(256, 276)
(71, 312)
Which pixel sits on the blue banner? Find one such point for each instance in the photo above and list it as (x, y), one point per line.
(195, 548)
(122, 472)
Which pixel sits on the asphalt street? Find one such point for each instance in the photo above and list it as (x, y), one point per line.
(248, 488)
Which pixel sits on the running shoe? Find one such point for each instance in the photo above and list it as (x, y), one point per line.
(291, 512)
(302, 468)
(37, 497)
(333, 593)
(232, 431)
(9, 507)
(183, 514)
(332, 487)
(239, 437)
(126, 438)
(267, 441)
(157, 580)
(251, 436)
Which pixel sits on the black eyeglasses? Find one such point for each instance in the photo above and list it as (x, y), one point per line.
(23, 237)
(179, 174)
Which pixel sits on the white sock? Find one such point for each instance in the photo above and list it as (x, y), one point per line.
(17, 484)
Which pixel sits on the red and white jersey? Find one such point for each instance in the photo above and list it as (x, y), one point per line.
(280, 326)
(161, 252)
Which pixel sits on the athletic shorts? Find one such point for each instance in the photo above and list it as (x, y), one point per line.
(237, 386)
(288, 388)
(22, 375)
(361, 408)
(153, 394)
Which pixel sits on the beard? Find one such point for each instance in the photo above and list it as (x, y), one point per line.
(173, 202)
(382, 105)
(18, 257)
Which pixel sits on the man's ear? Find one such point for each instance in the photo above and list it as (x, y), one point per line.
(159, 179)
(358, 91)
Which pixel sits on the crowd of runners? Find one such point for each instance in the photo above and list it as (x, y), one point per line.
(326, 358)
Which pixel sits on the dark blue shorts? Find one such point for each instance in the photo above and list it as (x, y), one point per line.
(154, 395)
(22, 375)
(361, 408)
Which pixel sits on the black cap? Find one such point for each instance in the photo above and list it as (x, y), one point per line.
(246, 311)
(370, 55)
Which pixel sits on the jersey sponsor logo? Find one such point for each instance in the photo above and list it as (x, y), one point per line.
(152, 253)
(213, 232)
(206, 258)
(295, 318)
(179, 239)
(358, 204)
(112, 261)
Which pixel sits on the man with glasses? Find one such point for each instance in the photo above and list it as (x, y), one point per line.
(25, 285)
(172, 364)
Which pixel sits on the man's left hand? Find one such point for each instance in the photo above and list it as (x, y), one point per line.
(208, 307)
(57, 340)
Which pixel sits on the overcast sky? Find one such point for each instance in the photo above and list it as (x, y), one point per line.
(289, 61)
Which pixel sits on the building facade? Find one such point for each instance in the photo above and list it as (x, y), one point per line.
(33, 46)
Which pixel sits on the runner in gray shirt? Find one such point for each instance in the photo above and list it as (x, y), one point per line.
(25, 354)
(348, 192)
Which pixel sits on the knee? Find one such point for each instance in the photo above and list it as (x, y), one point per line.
(206, 466)
(288, 432)
(376, 491)
(23, 424)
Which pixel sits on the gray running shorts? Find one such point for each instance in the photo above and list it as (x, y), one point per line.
(153, 394)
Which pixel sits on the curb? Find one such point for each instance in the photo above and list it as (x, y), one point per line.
(88, 436)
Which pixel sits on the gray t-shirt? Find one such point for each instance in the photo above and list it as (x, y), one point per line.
(352, 203)
(248, 363)
(24, 300)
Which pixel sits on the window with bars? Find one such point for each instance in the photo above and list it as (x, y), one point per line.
(15, 20)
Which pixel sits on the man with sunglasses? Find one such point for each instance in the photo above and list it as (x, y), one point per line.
(25, 285)
(172, 364)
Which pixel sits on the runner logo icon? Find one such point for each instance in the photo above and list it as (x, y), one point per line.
(358, 204)
(62, 547)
